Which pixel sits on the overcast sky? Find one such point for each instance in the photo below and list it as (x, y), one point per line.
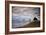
(26, 11)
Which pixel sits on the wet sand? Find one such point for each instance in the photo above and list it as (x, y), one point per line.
(31, 24)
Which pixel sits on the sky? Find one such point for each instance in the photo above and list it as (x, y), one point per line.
(25, 11)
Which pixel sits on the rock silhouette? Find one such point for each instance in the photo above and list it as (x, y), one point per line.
(35, 18)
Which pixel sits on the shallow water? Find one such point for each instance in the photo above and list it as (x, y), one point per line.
(20, 20)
